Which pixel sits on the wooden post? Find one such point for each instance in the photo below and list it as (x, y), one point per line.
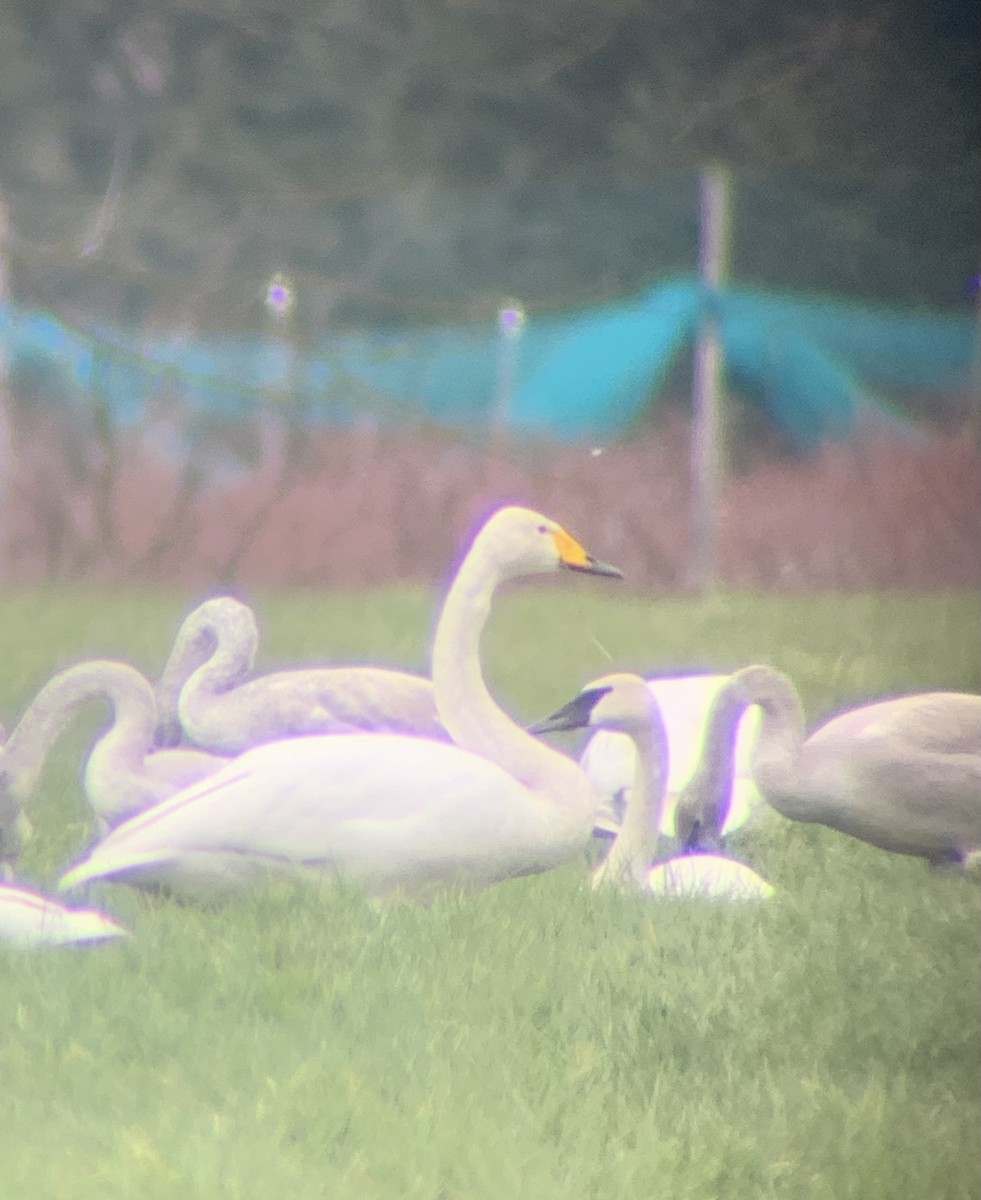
(706, 454)
(273, 415)
(510, 327)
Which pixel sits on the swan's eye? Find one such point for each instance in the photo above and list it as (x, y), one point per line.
(543, 529)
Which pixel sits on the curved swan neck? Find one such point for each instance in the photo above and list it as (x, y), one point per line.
(629, 858)
(703, 806)
(215, 649)
(468, 711)
(775, 761)
(232, 658)
(192, 649)
(131, 732)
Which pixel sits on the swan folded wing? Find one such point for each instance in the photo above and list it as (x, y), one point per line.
(29, 919)
(309, 702)
(946, 722)
(932, 805)
(937, 722)
(908, 800)
(379, 807)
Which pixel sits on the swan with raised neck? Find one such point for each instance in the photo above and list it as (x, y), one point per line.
(392, 812)
(624, 703)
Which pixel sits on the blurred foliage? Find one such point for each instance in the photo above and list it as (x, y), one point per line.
(416, 160)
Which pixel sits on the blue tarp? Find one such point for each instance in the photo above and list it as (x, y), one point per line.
(813, 364)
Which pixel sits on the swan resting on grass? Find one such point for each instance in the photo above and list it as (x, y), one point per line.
(205, 691)
(123, 774)
(626, 704)
(28, 919)
(903, 774)
(685, 703)
(395, 814)
(15, 828)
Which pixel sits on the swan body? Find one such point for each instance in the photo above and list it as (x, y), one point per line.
(205, 690)
(15, 828)
(626, 704)
(685, 702)
(708, 877)
(29, 919)
(393, 812)
(903, 774)
(123, 773)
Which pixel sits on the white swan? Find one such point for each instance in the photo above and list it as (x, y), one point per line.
(685, 702)
(123, 773)
(626, 704)
(391, 812)
(29, 919)
(204, 690)
(903, 774)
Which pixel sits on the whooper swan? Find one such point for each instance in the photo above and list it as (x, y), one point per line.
(204, 690)
(903, 774)
(685, 702)
(625, 703)
(123, 774)
(391, 812)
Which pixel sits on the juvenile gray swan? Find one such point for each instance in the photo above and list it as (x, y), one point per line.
(205, 690)
(123, 773)
(903, 774)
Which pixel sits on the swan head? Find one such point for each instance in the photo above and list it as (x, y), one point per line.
(758, 684)
(522, 542)
(621, 702)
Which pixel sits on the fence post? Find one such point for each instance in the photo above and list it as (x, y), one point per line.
(511, 319)
(6, 439)
(706, 456)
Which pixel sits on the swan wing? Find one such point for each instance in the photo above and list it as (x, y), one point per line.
(902, 774)
(309, 702)
(389, 810)
(30, 919)
(709, 876)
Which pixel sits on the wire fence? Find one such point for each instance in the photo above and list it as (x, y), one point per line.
(559, 314)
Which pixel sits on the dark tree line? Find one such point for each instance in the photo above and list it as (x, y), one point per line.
(413, 160)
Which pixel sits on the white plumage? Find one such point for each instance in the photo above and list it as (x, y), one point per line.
(28, 919)
(685, 702)
(394, 813)
(707, 877)
(626, 704)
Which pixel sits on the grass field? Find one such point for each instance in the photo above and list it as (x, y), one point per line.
(534, 1040)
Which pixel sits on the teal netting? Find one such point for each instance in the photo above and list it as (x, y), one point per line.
(815, 366)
